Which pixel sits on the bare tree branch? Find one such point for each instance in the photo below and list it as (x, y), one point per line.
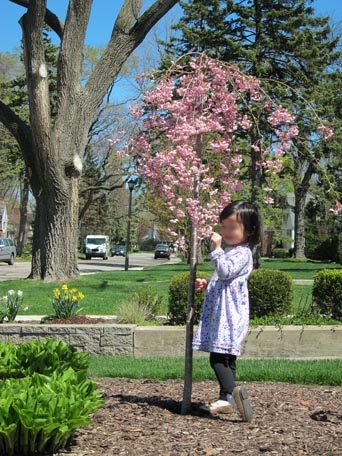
(128, 32)
(151, 16)
(50, 18)
(14, 124)
(38, 90)
(70, 61)
(22, 133)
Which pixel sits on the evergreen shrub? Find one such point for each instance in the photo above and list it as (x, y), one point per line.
(280, 253)
(327, 250)
(270, 292)
(327, 293)
(178, 298)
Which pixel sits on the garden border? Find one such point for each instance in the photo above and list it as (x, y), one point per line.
(302, 342)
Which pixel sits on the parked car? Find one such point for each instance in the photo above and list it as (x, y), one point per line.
(162, 251)
(118, 250)
(170, 244)
(7, 251)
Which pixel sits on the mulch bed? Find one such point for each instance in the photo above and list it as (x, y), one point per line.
(142, 417)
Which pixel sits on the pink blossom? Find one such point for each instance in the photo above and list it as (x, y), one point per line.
(205, 118)
(337, 209)
(326, 132)
(281, 116)
(268, 200)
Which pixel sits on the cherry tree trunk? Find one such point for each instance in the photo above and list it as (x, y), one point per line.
(193, 254)
(186, 403)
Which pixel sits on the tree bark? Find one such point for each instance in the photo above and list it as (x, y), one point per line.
(56, 235)
(299, 241)
(194, 247)
(301, 188)
(53, 149)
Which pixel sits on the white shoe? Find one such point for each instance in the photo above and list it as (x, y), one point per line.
(219, 406)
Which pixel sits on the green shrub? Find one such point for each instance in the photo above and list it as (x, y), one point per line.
(40, 414)
(327, 292)
(326, 250)
(42, 357)
(40, 411)
(270, 292)
(280, 253)
(141, 306)
(178, 298)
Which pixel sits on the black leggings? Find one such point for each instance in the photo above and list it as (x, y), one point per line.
(224, 366)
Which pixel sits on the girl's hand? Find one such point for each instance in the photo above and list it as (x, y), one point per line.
(216, 241)
(201, 284)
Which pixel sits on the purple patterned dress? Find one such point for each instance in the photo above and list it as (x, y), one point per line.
(225, 317)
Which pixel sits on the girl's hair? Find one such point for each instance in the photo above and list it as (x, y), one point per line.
(250, 217)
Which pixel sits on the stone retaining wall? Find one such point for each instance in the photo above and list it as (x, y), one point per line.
(112, 339)
(104, 339)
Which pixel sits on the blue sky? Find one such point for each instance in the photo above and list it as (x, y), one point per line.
(102, 18)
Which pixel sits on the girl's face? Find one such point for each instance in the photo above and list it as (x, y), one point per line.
(233, 231)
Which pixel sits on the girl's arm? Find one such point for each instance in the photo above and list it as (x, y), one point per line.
(231, 267)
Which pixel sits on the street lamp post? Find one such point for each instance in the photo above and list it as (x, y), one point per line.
(131, 183)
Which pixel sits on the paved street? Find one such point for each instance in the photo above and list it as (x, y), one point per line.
(21, 269)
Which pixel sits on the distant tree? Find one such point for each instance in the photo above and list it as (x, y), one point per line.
(286, 46)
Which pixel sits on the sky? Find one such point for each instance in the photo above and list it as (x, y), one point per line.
(103, 16)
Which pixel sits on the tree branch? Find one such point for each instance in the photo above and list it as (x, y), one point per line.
(22, 133)
(70, 61)
(151, 16)
(37, 85)
(50, 18)
(128, 32)
(14, 124)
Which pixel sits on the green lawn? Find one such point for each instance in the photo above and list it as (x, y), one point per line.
(105, 291)
(298, 269)
(319, 372)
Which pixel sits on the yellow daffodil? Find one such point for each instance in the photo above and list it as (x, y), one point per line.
(56, 293)
(80, 295)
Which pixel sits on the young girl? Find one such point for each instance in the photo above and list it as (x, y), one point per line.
(224, 321)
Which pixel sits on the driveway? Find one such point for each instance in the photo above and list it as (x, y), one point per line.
(21, 269)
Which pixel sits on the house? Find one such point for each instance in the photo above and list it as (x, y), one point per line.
(3, 218)
(286, 232)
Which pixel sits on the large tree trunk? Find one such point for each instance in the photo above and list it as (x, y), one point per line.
(301, 187)
(299, 239)
(56, 235)
(53, 148)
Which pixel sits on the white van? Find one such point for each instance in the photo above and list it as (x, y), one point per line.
(97, 245)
